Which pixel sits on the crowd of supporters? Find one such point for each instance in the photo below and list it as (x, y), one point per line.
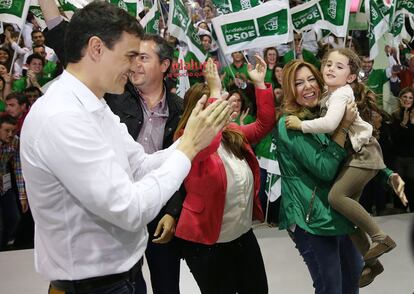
(28, 65)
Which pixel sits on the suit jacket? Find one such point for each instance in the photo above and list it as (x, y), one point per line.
(128, 107)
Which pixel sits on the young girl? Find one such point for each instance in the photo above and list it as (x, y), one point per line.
(340, 70)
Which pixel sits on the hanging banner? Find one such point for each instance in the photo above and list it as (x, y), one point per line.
(229, 6)
(14, 11)
(378, 24)
(181, 27)
(150, 22)
(329, 15)
(259, 27)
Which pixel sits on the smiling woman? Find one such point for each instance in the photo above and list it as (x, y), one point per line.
(308, 164)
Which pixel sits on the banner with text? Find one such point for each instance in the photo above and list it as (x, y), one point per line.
(229, 6)
(329, 15)
(181, 27)
(265, 25)
(14, 11)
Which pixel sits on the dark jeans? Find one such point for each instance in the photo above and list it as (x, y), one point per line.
(9, 217)
(226, 268)
(333, 262)
(164, 263)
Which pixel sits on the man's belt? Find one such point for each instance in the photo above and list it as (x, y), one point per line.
(85, 285)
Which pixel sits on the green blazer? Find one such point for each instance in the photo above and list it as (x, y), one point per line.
(308, 164)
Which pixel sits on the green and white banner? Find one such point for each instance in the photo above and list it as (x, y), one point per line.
(37, 12)
(229, 6)
(332, 15)
(378, 15)
(183, 83)
(14, 11)
(151, 20)
(259, 27)
(181, 27)
(127, 5)
(404, 6)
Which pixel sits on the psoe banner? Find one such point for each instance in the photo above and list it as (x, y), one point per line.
(259, 27)
(332, 15)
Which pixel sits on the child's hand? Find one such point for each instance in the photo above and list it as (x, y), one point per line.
(212, 78)
(293, 123)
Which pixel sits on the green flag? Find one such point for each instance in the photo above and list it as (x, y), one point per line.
(151, 20)
(259, 27)
(181, 27)
(378, 20)
(130, 7)
(329, 15)
(14, 11)
(229, 6)
(37, 13)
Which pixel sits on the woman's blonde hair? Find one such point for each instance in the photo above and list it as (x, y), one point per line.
(290, 104)
(233, 140)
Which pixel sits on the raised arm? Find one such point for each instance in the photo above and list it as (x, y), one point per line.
(336, 110)
(265, 121)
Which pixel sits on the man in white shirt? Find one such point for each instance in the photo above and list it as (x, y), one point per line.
(91, 187)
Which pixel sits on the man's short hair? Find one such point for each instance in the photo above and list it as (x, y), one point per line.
(101, 19)
(163, 48)
(35, 32)
(7, 118)
(39, 46)
(35, 56)
(32, 89)
(20, 97)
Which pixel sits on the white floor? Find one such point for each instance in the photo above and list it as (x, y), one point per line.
(286, 271)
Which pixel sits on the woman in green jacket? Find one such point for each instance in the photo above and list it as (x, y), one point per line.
(308, 165)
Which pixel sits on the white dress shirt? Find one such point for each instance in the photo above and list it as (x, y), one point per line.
(360, 132)
(91, 187)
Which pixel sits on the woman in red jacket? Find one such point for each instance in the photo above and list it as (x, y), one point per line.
(222, 196)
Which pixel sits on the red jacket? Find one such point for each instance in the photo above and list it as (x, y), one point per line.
(202, 214)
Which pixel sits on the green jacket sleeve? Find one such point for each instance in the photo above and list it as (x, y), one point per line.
(383, 176)
(318, 155)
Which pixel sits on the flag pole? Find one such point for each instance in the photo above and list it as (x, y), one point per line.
(24, 17)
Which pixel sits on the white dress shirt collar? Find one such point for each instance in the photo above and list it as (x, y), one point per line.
(85, 96)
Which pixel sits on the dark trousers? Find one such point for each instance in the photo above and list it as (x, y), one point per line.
(226, 268)
(333, 262)
(163, 263)
(9, 217)
(135, 284)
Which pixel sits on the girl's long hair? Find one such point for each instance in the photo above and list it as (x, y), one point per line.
(233, 140)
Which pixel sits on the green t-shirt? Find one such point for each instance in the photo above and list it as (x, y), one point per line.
(247, 120)
(375, 82)
(2, 106)
(231, 70)
(21, 84)
(194, 68)
(49, 69)
(307, 56)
